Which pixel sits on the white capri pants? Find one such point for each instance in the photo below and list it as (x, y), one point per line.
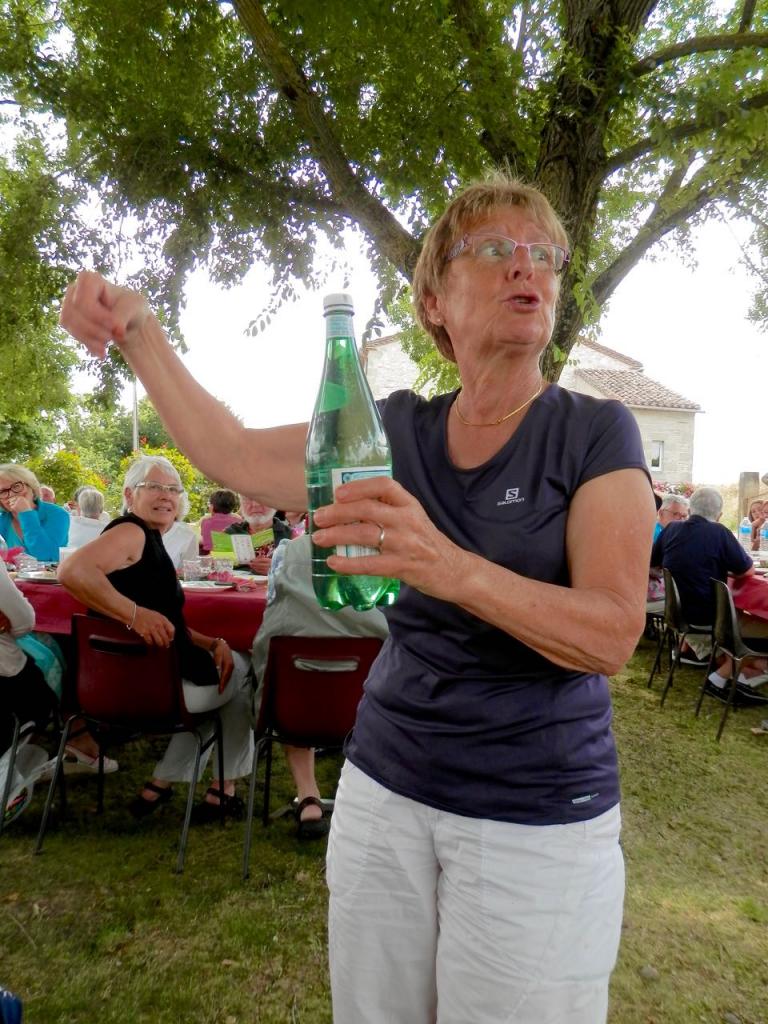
(436, 917)
(179, 758)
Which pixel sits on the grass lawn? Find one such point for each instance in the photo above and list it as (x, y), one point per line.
(99, 928)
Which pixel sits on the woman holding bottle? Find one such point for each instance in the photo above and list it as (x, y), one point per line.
(474, 864)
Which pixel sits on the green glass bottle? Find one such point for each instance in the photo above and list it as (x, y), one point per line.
(346, 442)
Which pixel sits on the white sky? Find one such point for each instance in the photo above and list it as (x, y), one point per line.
(687, 327)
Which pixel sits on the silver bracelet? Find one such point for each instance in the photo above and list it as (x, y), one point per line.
(129, 625)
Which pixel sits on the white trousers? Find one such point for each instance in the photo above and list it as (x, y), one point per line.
(179, 758)
(436, 917)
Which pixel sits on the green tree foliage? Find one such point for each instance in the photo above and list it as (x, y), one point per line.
(235, 131)
(34, 360)
(103, 434)
(64, 472)
(103, 437)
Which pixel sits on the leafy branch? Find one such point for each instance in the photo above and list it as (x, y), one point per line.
(698, 44)
(352, 196)
(664, 217)
(715, 120)
(489, 78)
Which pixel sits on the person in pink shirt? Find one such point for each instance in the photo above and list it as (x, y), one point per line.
(221, 506)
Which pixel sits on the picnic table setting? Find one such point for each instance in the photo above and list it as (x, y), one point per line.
(222, 602)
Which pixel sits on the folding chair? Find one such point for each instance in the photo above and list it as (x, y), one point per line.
(125, 688)
(674, 632)
(20, 732)
(312, 687)
(726, 635)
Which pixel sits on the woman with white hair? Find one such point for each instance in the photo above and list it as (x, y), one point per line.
(88, 524)
(26, 521)
(179, 539)
(127, 575)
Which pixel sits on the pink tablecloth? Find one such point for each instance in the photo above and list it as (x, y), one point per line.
(750, 594)
(234, 615)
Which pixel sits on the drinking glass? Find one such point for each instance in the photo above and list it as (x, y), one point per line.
(222, 569)
(192, 569)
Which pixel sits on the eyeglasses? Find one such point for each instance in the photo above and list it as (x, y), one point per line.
(155, 488)
(495, 249)
(16, 488)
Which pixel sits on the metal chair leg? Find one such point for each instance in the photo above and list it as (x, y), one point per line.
(267, 782)
(190, 802)
(57, 770)
(11, 765)
(249, 809)
(736, 664)
(674, 662)
(657, 661)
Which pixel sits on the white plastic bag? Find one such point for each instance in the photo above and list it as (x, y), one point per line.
(31, 762)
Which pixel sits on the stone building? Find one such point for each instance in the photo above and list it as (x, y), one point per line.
(666, 419)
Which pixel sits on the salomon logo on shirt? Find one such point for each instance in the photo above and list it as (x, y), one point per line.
(511, 497)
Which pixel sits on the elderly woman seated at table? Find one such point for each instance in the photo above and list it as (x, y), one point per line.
(88, 523)
(179, 539)
(26, 521)
(126, 574)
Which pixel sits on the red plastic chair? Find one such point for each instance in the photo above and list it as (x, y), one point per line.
(312, 687)
(124, 689)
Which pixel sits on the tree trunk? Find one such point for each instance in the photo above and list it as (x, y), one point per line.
(572, 157)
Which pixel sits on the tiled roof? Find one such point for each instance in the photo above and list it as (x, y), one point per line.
(635, 389)
(628, 360)
(388, 339)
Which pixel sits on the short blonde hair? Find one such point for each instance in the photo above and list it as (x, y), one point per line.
(22, 474)
(471, 206)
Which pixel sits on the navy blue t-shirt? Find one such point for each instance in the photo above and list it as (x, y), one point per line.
(458, 714)
(696, 551)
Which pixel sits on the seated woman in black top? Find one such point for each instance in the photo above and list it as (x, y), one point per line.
(127, 575)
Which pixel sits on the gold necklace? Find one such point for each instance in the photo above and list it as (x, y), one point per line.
(501, 419)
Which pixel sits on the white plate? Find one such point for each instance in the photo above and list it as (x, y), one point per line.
(38, 575)
(205, 585)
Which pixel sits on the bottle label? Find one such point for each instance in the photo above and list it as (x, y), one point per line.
(338, 325)
(344, 475)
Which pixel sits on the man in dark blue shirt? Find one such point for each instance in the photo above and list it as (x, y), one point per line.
(698, 550)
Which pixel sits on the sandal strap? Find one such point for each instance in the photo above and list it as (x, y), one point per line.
(308, 801)
(160, 790)
(231, 801)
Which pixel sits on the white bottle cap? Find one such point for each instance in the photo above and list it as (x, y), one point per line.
(338, 301)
